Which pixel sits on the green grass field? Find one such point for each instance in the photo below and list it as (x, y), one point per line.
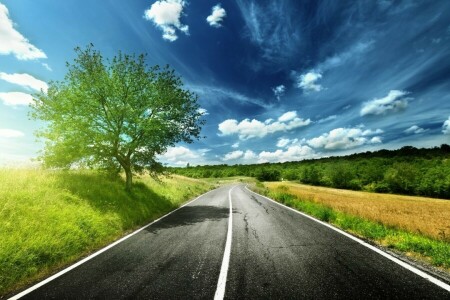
(49, 219)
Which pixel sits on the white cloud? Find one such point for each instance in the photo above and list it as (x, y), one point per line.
(25, 80)
(329, 118)
(446, 125)
(10, 133)
(177, 153)
(235, 145)
(16, 98)
(278, 91)
(247, 129)
(393, 102)
(352, 53)
(345, 138)
(47, 67)
(13, 42)
(250, 155)
(308, 81)
(166, 15)
(222, 94)
(282, 142)
(287, 116)
(233, 155)
(292, 153)
(415, 129)
(217, 15)
(203, 111)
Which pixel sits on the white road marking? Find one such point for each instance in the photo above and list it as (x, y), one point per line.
(388, 256)
(38, 285)
(221, 284)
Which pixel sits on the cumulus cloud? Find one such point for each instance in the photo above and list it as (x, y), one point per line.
(178, 152)
(446, 126)
(292, 153)
(250, 155)
(10, 133)
(233, 155)
(13, 42)
(25, 80)
(247, 128)
(278, 91)
(282, 142)
(180, 155)
(393, 102)
(308, 81)
(287, 116)
(415, 129)
(217, 15)
(16, 98)
(345, 138)
(166, 15)
(235, 145)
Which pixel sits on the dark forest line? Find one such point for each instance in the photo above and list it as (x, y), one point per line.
(409, 171)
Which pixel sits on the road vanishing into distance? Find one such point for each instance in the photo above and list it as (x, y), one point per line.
(234, 244)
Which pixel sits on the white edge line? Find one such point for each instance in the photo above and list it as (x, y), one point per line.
(53, 277)
(381, 252)
(221, 283)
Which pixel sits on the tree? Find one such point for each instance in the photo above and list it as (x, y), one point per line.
(116, 113)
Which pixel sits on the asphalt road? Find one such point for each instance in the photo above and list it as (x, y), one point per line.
(275, 254)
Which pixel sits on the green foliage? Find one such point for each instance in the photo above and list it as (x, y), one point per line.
(114, 114)
(408, 170)
(394, 238)
(268, 175)
(52, 218)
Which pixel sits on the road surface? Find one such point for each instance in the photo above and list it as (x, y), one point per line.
(272, 253)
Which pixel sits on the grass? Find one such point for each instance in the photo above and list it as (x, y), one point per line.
(49, 219)
(368, 220)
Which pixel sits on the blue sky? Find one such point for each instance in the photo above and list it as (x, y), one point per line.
(278, 80)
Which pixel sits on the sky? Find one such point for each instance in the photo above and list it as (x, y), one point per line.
(277, 80)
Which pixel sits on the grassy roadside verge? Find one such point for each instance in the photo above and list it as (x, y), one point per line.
(49, 219)
(429, 249)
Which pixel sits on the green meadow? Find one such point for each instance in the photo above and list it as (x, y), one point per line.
(49, 219)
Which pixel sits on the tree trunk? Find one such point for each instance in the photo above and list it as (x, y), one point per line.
(129, 179)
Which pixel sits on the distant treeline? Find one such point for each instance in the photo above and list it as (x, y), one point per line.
(407, 170)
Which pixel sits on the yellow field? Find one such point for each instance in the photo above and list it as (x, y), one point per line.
(428, 216)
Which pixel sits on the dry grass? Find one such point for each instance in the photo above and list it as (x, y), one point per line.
(428, 216)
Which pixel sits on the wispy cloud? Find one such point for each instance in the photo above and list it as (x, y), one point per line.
(13, 42)
(25, 80)
(415, 130)
(393, 102)
(10, 133)
(247, 129)
(272, 26)
(327, 119)
(216, 17)
(16, 98)
(219, 93)
(46, 66)
(166, 15)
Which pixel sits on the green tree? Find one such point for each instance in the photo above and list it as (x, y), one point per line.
(116, 113)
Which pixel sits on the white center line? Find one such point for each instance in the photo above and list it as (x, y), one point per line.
(220, 291)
